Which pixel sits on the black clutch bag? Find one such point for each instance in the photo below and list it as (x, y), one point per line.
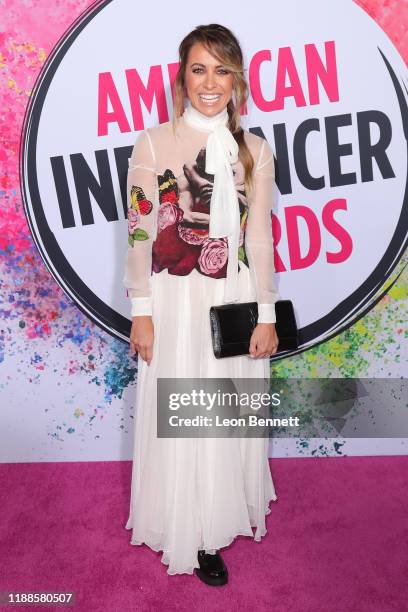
(232, 326)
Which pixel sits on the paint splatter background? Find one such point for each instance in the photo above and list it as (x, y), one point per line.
(52, 352)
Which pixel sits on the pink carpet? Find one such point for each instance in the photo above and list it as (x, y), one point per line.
(337, 541)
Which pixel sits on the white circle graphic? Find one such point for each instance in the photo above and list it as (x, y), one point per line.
(328, 93)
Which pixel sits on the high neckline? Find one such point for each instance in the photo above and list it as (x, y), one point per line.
(221, 152)
(199, 120)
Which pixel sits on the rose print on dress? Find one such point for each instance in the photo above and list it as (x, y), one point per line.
(182, 243)
(168, 215)
(213, 256)
(133, 220)
(139, 205)
(192, 236)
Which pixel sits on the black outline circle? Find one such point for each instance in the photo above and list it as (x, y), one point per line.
(102, 314)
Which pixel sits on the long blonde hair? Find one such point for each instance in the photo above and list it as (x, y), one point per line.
(223, 45)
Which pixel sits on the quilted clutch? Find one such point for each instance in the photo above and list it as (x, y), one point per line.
(232, 326)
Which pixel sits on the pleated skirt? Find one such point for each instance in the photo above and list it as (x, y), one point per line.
(194, 493)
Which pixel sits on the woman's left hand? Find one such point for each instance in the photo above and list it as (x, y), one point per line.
(264, 341)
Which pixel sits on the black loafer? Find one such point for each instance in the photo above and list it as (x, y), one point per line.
(213, 570)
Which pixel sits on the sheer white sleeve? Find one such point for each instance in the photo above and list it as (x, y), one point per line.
(258, 235)
(141, 185)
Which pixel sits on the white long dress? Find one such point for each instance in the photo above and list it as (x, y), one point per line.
(193, 493)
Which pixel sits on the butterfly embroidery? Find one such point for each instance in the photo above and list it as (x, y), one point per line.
(139, 205)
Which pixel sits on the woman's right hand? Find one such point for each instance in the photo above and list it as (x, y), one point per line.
(142, 336)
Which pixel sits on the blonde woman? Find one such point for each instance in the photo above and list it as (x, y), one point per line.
(199, 222)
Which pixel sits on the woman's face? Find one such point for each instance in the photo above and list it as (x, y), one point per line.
(208, 83)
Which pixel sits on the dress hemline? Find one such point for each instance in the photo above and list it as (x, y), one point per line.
(227, 542)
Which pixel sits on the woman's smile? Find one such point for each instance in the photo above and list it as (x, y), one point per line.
(208, 83)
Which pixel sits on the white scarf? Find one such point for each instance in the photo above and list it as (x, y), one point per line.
(221, 152)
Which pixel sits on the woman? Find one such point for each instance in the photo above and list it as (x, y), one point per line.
(192, 496)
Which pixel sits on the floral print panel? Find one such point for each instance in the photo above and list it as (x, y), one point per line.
(183, 243)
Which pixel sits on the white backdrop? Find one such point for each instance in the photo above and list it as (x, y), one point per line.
(85, 412)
